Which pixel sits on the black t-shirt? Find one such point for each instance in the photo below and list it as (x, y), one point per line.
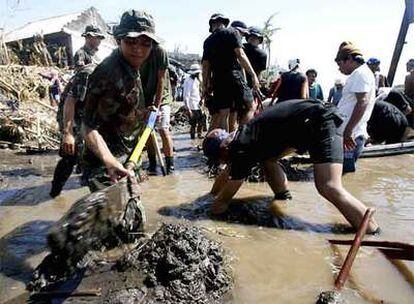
(398, 98)
(291, 85)
(285, 125)
(219, 51)
(257, 58)
(387, 123)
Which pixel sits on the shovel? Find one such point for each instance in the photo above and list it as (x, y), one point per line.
(106, 218)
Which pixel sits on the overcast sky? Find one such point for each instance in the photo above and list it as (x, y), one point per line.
(310, 29)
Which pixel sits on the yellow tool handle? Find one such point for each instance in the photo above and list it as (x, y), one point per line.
(136, 153)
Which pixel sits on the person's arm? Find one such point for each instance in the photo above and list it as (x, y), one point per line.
(331, 92)
(68, 140)
(245, 63)
(223, 190)
(186, 95)
(206, 71)
(160, 87)
(220, 181)
(357, 114)
(275, 92)
(98, 146)
(304, 90)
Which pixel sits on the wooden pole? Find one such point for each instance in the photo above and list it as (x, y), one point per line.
(407, 19)
(346, 267)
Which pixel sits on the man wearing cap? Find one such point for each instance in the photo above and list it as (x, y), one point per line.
(87, 54)
(257, 56)
(380, 80)
(70, 120)
(192, 100)
(156, 84)
(115, 107)
(357, 102)
(301, 125)
(223, 60)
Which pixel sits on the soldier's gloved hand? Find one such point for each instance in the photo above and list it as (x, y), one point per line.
(68, 143)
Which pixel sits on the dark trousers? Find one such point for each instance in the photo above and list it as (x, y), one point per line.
(196, 122)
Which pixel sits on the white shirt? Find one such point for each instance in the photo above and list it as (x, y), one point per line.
(191, 93)
(361, 80)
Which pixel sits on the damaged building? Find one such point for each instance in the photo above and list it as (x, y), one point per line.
(61, 35)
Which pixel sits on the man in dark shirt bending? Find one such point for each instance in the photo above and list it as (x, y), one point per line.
(223, 59)
(300, 125)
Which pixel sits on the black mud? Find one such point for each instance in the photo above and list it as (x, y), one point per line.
(178, 264)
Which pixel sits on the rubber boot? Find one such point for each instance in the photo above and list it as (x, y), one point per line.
(169, 163)
(152, 168)
(62, 173)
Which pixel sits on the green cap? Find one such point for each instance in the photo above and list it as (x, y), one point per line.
(136, 23)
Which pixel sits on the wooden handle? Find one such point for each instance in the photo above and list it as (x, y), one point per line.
(346, 267)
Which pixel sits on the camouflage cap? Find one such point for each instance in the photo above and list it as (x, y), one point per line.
(136, 23)
(93, 31)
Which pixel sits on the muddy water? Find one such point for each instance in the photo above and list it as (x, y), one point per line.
(283, 261)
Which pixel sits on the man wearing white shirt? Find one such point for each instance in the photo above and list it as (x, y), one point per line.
(356, 104)
(192, 100)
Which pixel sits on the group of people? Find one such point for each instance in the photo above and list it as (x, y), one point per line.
(106, 104)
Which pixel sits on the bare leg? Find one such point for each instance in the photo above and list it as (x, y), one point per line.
(328, 181)
(167, 143)
(275, 176)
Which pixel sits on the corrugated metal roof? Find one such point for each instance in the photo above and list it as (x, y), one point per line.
(43, 26)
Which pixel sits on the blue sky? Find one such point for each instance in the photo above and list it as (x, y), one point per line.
(310, 30)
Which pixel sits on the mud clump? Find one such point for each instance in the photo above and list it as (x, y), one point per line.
(181, 265)
(178, 264)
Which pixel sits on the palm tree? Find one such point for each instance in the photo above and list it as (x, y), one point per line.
(268, 31)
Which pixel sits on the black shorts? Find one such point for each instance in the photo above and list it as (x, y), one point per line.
(325, 144)
(231, 92)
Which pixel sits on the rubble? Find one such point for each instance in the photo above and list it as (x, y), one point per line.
(26, 118)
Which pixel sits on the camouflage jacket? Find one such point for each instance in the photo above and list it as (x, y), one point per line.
(75, 88)
(85, 56)
(114, 106)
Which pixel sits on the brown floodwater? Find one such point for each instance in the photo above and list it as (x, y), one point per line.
(282, 260)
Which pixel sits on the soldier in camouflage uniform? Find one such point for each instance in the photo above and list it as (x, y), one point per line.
(115, 108)
(87, 54)
(69, 119)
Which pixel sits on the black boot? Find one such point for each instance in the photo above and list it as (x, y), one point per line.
(152, 168)
(62, 173)
(169, 163)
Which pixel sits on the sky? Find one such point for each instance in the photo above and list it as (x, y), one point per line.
(310, 29)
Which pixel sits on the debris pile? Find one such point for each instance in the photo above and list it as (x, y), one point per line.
(178, 264)
(26, 118)
(181, 266)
